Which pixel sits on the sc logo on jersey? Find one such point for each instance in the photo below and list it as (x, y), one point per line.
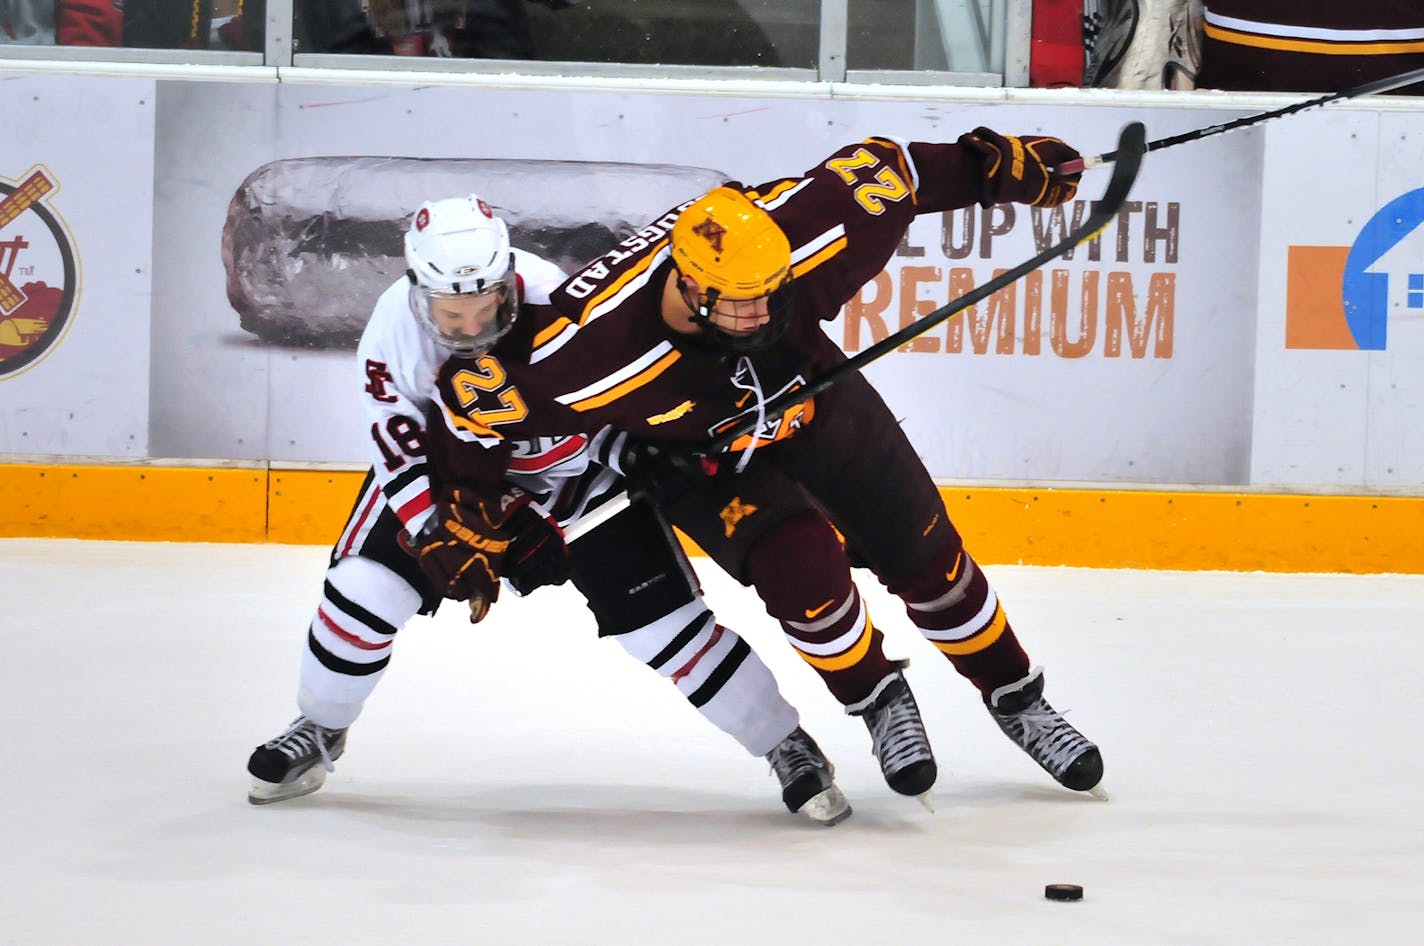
(39, 282)
(1341, 298)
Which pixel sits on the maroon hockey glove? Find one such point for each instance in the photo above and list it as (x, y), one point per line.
(1020, 170)
(455, 568)
(502, 534)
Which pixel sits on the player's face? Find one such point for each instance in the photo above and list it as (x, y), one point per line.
(740, 317)
(467, 315)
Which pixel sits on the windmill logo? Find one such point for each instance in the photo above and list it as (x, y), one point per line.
(39, 281)
(1342, 297)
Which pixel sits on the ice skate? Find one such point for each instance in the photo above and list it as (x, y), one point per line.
(1050, 740)
(295, 763)
(807, 779)
(898, 739)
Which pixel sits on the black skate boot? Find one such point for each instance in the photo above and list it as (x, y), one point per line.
(807, 779)
(295, 763)
(897, 737)
(1050, 740)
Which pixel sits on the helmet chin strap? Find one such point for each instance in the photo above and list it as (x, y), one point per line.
(701, 306)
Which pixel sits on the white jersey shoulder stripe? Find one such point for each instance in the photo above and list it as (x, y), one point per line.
(618, 377)
(1289, 31)
(543, 351)
(784, 196)
(816, 244)
(632, 286)
(566, 334)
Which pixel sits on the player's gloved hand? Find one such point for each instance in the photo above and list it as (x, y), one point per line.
(1020, 170)
(537, 555)
(663, 472)
(456, 568)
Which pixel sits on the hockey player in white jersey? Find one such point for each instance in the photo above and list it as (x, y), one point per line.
(463, 291)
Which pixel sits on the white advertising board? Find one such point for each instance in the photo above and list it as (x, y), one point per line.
(76, 210)
(1339, 393)
(1132, 361)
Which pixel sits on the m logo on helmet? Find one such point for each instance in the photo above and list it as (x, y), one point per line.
(711, 231)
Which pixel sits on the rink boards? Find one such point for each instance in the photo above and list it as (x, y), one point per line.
(1093, 527)
(1226, 377)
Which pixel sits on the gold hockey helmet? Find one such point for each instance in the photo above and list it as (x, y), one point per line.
(730, 245)
(737, 255)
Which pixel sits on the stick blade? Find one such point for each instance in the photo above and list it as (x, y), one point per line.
(1131, 146)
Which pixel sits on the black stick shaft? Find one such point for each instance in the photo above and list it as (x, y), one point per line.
(1368, 88)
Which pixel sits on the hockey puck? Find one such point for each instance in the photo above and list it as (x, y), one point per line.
(1063, 892)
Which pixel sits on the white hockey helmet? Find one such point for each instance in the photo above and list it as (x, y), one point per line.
(461, 271)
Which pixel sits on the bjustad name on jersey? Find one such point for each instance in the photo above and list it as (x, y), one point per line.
(588, 279)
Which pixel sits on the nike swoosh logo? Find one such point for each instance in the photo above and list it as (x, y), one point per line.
(953, 573)
(813, 612)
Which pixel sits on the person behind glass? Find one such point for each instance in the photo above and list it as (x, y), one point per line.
(690, 327)
(404, 544)
(462, 29)
(1289, 46)
(61, 23)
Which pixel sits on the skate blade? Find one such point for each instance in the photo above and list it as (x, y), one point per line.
(265, 793)
(1100, 793)
(927, 799)
(827, 808)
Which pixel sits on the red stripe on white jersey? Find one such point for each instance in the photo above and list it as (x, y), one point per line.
(347, 636)
(538, 463)
(354, 530)
(686, 668)
(415, 507)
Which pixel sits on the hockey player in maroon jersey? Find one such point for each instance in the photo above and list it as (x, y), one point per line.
(401, 552)
(1289, 46)
(709, 312)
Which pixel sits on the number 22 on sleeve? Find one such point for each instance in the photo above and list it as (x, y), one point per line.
(872, 194)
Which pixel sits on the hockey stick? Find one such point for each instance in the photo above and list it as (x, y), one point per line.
(1367, 88)
(1131, 146)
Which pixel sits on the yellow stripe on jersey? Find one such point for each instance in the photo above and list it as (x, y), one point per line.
(816, 259)
(632, 384)
(614, 287)
(902, 160)
(551, 331)
(459, 422)
(1316, 46)
(776, 191)
(841, 661)
(977, 642)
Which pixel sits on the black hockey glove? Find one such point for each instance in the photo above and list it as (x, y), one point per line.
(664, 472)
(537, 555)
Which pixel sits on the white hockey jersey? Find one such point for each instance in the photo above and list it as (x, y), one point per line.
(398, 364)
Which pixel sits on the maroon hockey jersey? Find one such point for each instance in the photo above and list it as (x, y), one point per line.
(602, 357)
(1289, 46)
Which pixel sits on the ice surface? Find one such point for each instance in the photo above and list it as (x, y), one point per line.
(522, 782)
